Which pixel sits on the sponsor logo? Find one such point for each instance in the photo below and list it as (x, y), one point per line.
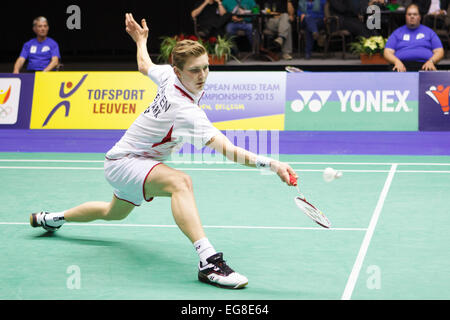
(353, 100)
(89, 100)
(313, 99)
(9, 100)
(64, 95)
(440, 96)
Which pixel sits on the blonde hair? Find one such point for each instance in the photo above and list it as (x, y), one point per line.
(185, 49)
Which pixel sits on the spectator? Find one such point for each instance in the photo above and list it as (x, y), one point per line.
(311, 15)
(436, 8)
(236, 7)
(42, 52)
(280, 24)
(423, 6)
(211, 18)
(413, 46)
(349, 13)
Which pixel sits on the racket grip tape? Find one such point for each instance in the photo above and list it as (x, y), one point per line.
(292, 180)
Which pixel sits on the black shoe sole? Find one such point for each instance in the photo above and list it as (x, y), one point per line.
(33, 221)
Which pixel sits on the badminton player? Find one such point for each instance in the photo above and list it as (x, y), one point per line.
(135, 165)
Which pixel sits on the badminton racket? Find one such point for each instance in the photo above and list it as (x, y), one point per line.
(309, 209)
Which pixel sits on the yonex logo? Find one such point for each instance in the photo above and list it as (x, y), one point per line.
(313, 104)
(440, 95)
(354, 100)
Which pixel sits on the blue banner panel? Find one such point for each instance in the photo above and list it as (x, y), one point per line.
(434, 88)
(16, 97)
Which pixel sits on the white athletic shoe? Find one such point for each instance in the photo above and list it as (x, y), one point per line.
(38, 220)
(218, 273)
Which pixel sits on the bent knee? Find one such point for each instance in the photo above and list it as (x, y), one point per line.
(180, 182)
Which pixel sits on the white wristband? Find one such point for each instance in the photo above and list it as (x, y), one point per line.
(262, 162)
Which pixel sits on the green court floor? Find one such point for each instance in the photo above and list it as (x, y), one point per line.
(389, 237)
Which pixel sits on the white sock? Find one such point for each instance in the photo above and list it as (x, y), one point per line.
(55, 219)
(204, 250)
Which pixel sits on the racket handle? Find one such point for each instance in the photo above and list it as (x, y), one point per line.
(292, 180)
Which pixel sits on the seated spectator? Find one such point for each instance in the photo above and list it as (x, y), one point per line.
(280, 25)
(350, 17)
(236, 7)
(423, 6)
(413, 46)
(41, 52)
(311, 14)
(211, 18)
(437, 8)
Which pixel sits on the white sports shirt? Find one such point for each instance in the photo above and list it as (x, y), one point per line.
(172, 119)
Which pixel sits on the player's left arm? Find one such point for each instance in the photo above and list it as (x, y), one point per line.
(221, 144)
(52, 65)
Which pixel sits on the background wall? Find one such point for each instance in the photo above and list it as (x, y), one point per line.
(102, 24)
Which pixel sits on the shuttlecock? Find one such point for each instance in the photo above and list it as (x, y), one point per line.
(329, 174)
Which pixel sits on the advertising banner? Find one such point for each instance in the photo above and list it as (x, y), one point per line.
(382, 101)
(16, 94)
(245, 100)
(434, 108)
(89, 100)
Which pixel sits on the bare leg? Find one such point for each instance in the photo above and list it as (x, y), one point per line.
(90, 211)
(167, 182)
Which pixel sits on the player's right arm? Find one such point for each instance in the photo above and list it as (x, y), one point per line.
(140, 36)
(221, 144)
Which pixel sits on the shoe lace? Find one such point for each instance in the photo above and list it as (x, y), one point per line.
(224, 267)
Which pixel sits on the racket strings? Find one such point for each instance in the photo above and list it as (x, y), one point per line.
(312, 212)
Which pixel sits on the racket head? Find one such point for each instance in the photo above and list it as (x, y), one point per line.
(311, 211)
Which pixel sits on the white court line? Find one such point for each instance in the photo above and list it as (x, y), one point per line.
(124, 225)
(230, 162)
(48, 160)
(226, 169)
(53, 168)
(351, 282)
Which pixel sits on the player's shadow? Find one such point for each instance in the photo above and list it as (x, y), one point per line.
(155, 256)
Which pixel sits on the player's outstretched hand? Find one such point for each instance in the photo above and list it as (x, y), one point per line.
(133, 28)
(283, 170)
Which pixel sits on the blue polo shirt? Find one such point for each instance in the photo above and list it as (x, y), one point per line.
(39, 54)
(414, 44)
